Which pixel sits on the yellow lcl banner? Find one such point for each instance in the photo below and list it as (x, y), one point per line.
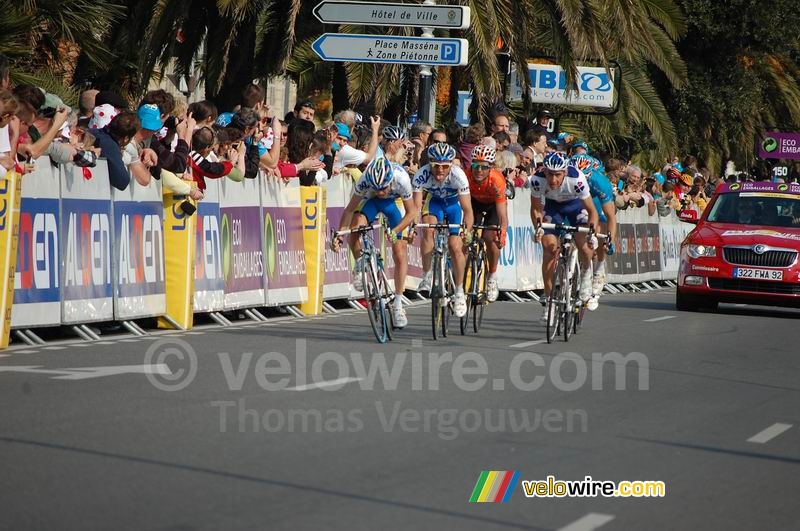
(179, 251)
(313, 202)
(10, 197)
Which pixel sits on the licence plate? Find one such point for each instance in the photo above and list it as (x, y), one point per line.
(758, 274)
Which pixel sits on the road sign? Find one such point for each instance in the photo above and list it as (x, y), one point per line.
(388, 14)
(389, 49)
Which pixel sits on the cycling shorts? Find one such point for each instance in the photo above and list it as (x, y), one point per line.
(388, 206)
(444, 209)
(568, 213)
(487, 211)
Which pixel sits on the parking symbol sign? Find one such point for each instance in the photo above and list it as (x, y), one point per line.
(448, 52)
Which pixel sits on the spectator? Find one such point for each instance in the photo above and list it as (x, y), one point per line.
(204, 113)
(86, 104)
(420, 133)
(502, 141)
(513, 132)
(472, 137)
(140, 159)
(668, 202)
(501, 123)
(303, 110)
(171, 158)
(111, 139)
(200, 159)
(542, 123)
(347, 155)
(8, 108)
(394, 144)
(455, 134)
(41, 124)
(536, 141)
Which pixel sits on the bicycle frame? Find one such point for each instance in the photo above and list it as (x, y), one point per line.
(443, 286)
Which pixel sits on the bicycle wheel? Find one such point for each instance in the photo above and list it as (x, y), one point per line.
(569, 304)
(376, 309)
(447, 309)
(469, 290)
(480, 298)
(388, 300)
(556, 301)
(579, 305)
(436, 292)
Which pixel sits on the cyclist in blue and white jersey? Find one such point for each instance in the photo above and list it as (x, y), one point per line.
(448, 199)
(560, 194)
(377, 191)
(602, 192)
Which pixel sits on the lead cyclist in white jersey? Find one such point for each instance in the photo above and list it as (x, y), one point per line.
(560, 194)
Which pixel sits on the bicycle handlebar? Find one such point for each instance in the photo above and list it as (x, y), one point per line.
(570, 228)
(358, 230)
(441, 226)
(487, 227)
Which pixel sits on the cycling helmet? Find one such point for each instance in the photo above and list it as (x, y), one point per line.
(556, 161)
(583, 162)
(441, 153)
(580, 144)
(379, 174)
(483, 153)
(392, 132)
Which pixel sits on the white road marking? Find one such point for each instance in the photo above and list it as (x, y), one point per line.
(740, 305)
(128, 340)
(84, 373)
(104, 342)
(769, 433)
(528, 343)
(23, 352)
(656, 319)
(320, 385)
(53, 348)
(588, 522)
(195, 333)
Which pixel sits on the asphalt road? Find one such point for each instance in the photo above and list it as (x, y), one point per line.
(705, 409)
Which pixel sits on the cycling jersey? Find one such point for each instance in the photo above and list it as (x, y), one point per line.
(492, 190)
(455, 184)
(573, 187)
(602, 192)
(400, 186)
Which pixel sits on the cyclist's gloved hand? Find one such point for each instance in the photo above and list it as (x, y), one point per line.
(392, 235)
(610, 249)
(336, 243)
(537, 236)
(468, 237)
(593, 243)
(501, 238)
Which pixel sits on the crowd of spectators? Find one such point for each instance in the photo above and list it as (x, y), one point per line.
(183, 145)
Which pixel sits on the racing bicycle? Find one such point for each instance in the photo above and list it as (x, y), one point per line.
(378, 294)
(565, 309)
(475, 278)
(443, 287)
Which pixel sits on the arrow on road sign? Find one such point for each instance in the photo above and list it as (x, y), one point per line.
(390, 49)
(387, 14)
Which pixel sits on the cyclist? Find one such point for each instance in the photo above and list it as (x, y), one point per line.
(487, 188)
(560, 194)
(377, 191)
(602, 193)
(448, 198)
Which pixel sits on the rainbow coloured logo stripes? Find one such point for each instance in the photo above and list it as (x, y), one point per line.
(495, 486)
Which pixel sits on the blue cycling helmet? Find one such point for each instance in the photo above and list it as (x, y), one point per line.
(379, 174)
(580, 144)
(392, 132)
(441, 153)
(583, 162)
(556, 161)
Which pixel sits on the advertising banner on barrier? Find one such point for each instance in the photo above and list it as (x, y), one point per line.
(672, 231)
(139, 288)
(10, 198)
(209, 295)
(86, 245)
(337, 265)
(37, 283)
(527, 254)
(179, 245)
(283, 243)
(241, 242)
(313, 200)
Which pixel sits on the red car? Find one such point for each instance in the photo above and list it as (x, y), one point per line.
(744, 249)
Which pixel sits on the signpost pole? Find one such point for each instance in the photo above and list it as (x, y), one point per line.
(425, 80)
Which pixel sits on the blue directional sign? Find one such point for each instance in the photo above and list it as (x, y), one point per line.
(390, 49)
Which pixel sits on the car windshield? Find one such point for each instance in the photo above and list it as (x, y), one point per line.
(749, 208)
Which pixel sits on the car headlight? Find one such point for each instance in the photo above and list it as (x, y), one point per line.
(701, 251)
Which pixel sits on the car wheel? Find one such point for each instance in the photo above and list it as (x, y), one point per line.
(685, 303)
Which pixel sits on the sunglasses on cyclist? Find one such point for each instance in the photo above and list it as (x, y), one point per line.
(440, 164)
(480, 167)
